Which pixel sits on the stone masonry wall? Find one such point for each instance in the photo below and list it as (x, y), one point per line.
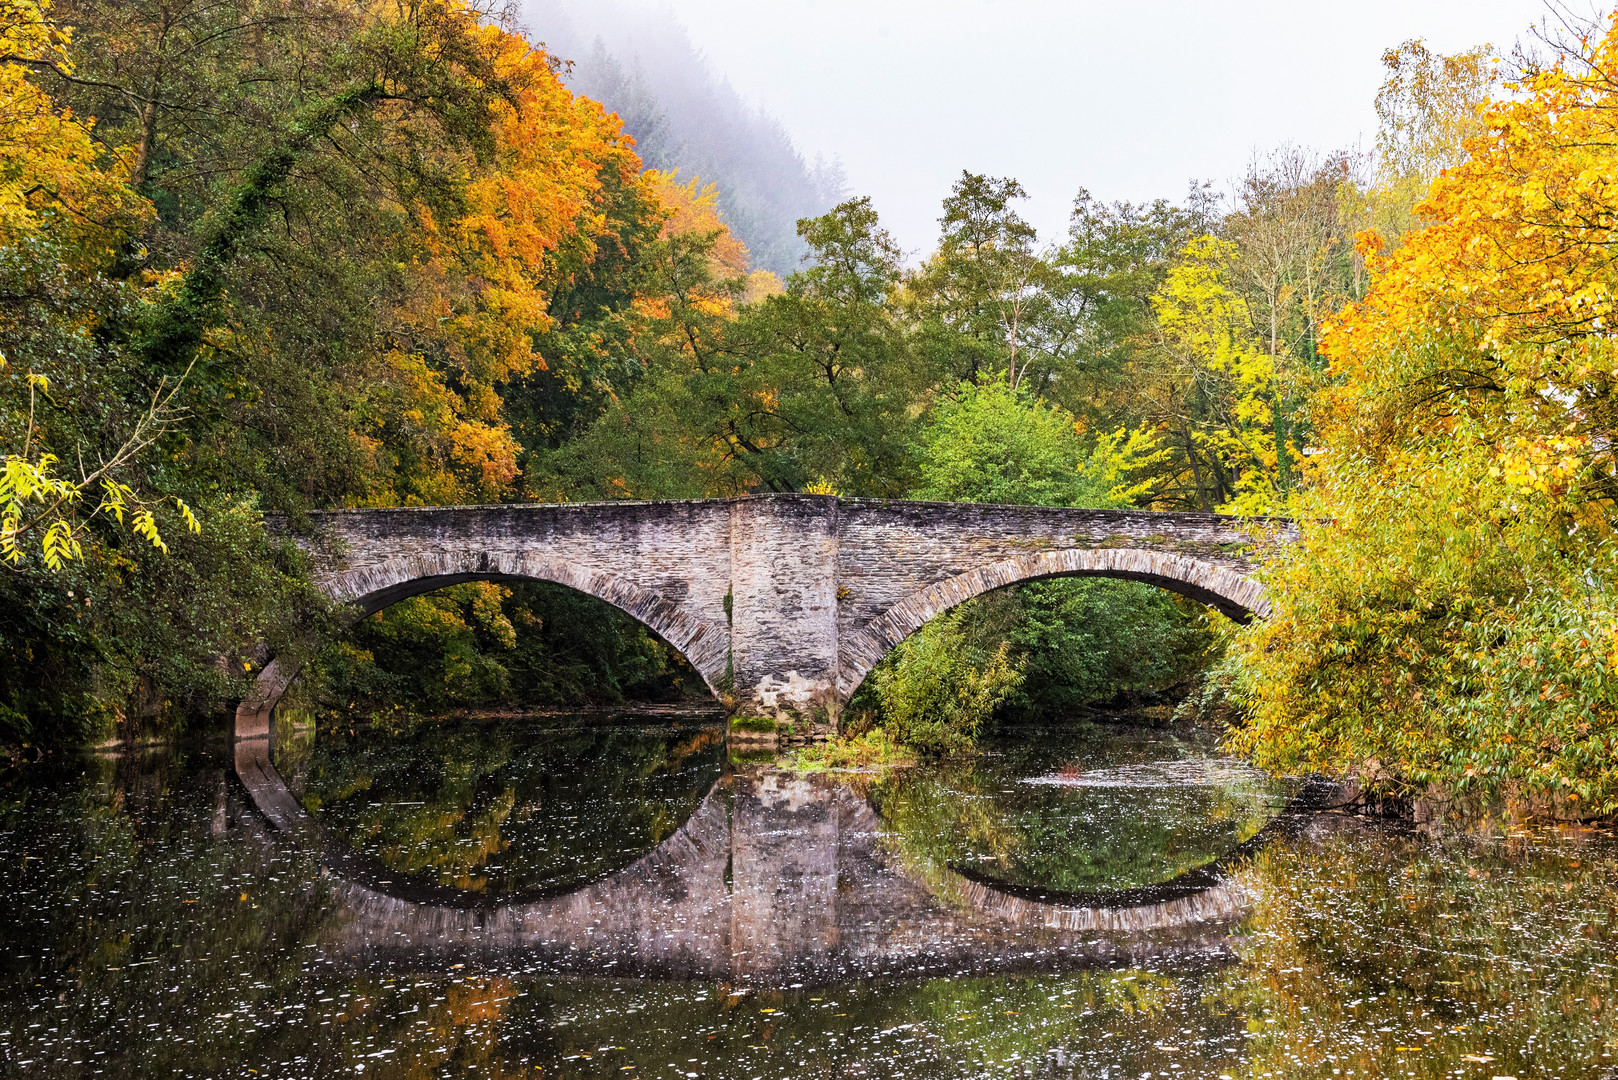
(902, 563)
(665, 563)
(819, 588)
(783, 560)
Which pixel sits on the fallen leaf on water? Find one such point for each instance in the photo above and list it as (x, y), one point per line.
(1481, 1059)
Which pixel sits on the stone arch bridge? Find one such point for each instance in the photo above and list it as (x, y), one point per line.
(782, 603)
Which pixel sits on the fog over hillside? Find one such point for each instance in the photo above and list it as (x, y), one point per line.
(642, 65)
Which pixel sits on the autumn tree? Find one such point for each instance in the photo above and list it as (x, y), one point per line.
(62, 219)
(1449, 618)
(1429, 104)
(365, 218)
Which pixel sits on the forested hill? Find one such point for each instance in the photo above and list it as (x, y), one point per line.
(641, 64)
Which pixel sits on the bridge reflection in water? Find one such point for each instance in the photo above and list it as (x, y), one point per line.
(775, 878)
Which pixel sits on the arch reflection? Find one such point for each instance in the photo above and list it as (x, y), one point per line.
(773, 877)
(488, 810)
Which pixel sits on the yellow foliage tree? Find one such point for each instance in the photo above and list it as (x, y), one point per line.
(51, 180)
(1450, 617)
(56, 196)
(1207, 327)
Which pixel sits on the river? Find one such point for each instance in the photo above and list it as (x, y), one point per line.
(595, 895)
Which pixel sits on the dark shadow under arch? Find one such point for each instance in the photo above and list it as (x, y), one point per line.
(1232, 593)
(372, 588)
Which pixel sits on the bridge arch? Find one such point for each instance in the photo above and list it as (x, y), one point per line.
(1233, 593)
(381, 584)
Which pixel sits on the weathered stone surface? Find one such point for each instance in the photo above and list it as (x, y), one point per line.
(782, 603)
(783, 640)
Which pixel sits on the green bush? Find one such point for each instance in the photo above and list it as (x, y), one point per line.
(137, 644)
(871, 749)
(989, 443)
(1087, 640)
(940, 686)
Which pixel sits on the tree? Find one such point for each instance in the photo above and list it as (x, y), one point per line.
(1227, 408)
(977, 294)
(941, 685)
(1099, 295)
(806, 386)
(358, 221)
(1448, 619)
(59, 210)
(1428, 106)
(989, 443)
(829, 363)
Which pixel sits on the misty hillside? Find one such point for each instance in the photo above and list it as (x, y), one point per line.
(643, 66)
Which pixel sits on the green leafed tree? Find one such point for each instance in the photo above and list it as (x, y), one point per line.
(1042, 648)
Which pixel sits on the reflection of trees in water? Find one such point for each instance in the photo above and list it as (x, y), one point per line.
(124, 928)
(132, 920)
(980, 813)
(1498, 949)
(1041, 1026)
(506, 807)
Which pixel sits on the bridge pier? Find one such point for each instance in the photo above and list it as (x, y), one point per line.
(783, 618)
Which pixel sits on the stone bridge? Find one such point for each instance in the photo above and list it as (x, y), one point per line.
(782, 603)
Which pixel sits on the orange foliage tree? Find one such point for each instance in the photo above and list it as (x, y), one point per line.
(482, 284)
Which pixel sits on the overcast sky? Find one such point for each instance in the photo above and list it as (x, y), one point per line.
(1128, 99)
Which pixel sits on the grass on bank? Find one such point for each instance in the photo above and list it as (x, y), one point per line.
(871, 749)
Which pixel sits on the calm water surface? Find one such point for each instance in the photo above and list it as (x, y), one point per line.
(594, 897)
